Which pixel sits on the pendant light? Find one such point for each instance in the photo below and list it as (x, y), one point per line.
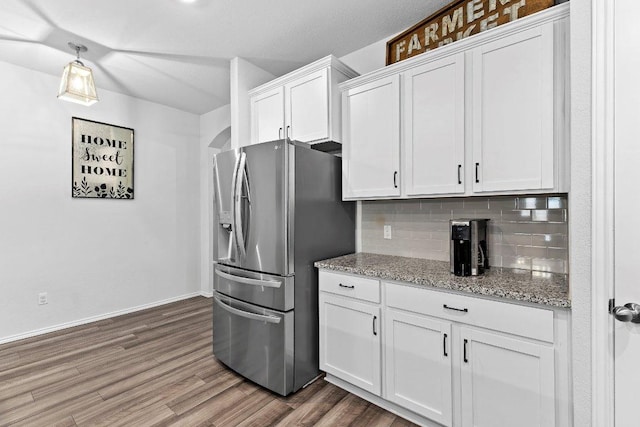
(77, 81)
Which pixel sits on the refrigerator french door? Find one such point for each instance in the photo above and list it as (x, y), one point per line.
(252, 189)
(278, 209)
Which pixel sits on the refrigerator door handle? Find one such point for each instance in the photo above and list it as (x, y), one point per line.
(247, 314)
(249, 281)
(237, 205)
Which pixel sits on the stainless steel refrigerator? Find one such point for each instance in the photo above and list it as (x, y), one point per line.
(279, 208)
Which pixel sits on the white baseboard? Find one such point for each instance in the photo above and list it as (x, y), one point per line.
(86, 320)
(206, 294)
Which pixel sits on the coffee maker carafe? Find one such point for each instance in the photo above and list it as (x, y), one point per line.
(469, 248)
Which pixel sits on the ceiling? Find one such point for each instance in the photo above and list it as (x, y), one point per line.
(178, 54)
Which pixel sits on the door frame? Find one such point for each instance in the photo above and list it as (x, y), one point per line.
(603, 199)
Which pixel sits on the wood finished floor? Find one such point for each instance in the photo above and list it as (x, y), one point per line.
(155, 368)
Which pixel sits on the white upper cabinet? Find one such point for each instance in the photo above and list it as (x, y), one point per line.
(267, 116)
(513, 112)
(371, 152)
(303, 105)
(307, 108)
(484, 115)
(433, 122)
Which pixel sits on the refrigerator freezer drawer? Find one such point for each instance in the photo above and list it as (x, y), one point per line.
(255, 342)
(266, 290)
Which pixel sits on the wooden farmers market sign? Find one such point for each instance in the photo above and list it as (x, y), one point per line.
(102, 162)
(460, 19)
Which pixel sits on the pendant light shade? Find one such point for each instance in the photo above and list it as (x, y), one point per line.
(77, 81)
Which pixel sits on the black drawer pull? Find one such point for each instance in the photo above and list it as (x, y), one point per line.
(477, 165)
(346, 286)
(444, 345)
(395, 179)
(464, 310)
(464, 357)
(374, 325)
(459, 179)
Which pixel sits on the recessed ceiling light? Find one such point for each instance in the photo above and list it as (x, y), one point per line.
(188, 1)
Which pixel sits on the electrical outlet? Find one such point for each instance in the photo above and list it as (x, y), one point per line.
(387, 232)
(42, 298)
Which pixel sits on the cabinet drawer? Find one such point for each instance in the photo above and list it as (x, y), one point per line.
(351, 286)
(514, 319)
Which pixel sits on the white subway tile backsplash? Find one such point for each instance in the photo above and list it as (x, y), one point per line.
(550, 215)
(516, 262)
(556, 202)
(557, 253)
(441, 215)
(532, 251)
(517, 239)
(531, 202)
(527, 232)
(440, 235)
(550, 265)
(549, 240)
(476, 204)
(507, 250)
(429, 204)
(451, 204)
(516, 215)
(499, 203)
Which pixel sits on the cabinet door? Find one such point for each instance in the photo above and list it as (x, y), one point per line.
(506, 381)
(371, 139)
(513, 110)
(307, 108)
(434, 127)
(267, 116)
(350, 341)
(418, 364)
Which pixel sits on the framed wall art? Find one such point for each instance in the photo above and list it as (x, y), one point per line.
(102, 162)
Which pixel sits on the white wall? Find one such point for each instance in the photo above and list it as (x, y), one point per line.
(580, 210)
(214, 127)
(213, 130)
(244, 77)
(92, 256)
(368, 58)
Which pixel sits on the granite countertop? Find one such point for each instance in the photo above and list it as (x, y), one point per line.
(521, 285)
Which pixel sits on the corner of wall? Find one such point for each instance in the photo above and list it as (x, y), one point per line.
(580, 197)
(244, 77)
(214, 132)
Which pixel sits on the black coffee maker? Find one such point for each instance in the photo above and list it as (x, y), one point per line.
(469, 249)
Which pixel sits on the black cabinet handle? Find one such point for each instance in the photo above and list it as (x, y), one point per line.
(395, 179)
(459, 180)
(477, 165)
(464, 348)
(444, 345)
(465, 310)
(374, 325)
(288, 133)
(346, 286)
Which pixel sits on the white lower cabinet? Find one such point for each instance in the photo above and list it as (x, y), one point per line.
(418, 364)
(506, 381)
(444, 359)
(347, 324)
